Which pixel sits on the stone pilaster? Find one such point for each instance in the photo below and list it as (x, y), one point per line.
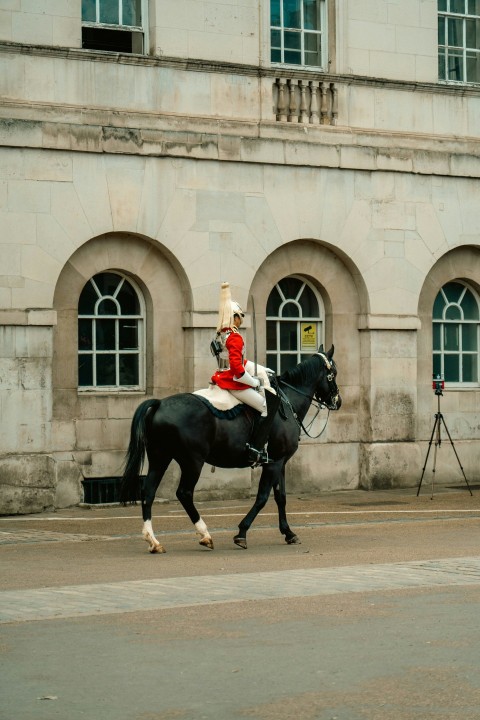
(389, 381)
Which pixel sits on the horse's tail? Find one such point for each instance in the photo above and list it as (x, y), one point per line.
(130, 484)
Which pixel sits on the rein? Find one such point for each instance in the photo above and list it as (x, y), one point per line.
(313, 399)
(319, 405)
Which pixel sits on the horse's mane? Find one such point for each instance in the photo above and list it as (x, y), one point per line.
(304, 373)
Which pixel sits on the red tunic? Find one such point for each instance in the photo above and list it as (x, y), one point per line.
(224, 378)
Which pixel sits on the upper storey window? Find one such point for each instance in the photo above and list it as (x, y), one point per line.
(297, 32)
(459, 40)
(113, 25)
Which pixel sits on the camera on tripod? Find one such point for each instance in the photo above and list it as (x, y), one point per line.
(438, 384)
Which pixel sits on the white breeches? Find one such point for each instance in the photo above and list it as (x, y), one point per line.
(253, 398)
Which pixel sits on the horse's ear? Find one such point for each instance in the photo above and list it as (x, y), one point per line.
(330, 353)
(320, 349)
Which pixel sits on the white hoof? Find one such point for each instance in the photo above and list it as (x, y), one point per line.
(153, 544)
(149, 537)
(202, 532)
(206, 541)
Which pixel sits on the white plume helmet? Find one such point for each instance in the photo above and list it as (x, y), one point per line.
(236, 309)
(228, 308)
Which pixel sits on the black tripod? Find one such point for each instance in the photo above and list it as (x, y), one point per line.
(439, 419)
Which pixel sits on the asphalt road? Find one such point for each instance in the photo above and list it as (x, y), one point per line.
(374, 614)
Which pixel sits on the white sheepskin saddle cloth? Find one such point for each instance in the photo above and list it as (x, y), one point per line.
(220, 399)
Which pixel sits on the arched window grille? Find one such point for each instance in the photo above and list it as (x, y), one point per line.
(295, 323)
(455, 334)
(110, 334)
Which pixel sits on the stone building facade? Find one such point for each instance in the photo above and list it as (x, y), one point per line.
(150, 149)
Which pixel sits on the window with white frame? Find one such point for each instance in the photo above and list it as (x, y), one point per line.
(114, 25)
(298, 32)
(459, 40)
(456, 321)
(295, 323)
(110, 334)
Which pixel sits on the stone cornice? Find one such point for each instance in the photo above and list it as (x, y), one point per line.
(96, 129)
(209, 66)
(266, 143)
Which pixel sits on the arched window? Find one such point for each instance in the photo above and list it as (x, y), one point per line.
(455, 334)
(294, 323)
(110, 334)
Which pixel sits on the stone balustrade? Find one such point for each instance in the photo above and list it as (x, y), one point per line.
(305, 101)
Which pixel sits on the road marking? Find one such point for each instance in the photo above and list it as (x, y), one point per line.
(21, 537)
(207, 514)
(159, 594)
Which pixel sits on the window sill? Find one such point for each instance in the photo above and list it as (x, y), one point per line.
(301, 68)
(113, 26)
(112, 392)
(459, 83)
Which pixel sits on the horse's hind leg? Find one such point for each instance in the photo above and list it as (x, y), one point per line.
(190, 473)
(150, 486)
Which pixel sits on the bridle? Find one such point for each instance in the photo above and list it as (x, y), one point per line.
(330, 365)
(314, 399)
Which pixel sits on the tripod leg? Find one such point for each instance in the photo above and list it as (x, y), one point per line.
(428, 453)
(437, 445)
(456, 454)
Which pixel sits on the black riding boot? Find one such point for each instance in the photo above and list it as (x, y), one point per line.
(257, 455)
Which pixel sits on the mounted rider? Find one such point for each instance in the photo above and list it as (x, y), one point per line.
(235, 375)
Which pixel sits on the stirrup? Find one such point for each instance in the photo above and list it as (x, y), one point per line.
(257, 457)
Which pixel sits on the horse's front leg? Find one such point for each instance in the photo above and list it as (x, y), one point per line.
(281, 499)
(190, 473)
(149, 489)
(267, 480)
(203, 534)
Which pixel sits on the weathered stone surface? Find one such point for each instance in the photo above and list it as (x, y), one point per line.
(68, 489)
(389, 465)
(322, 467)
(26, 484)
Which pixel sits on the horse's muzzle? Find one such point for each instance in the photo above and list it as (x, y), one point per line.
(335, 402)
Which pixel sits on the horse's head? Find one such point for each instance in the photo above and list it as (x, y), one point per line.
(326, 391)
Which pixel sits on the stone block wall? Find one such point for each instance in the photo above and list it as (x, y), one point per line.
(52, 22)
(206, 30)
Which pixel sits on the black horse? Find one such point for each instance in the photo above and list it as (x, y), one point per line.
(182, 428)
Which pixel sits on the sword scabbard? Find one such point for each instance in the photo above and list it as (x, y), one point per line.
(254, 326)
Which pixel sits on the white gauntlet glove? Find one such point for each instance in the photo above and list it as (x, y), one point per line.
(247, 379)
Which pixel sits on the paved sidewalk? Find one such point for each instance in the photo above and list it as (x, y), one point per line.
(110, 598)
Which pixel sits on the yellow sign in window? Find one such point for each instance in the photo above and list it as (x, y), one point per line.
(308, 333)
